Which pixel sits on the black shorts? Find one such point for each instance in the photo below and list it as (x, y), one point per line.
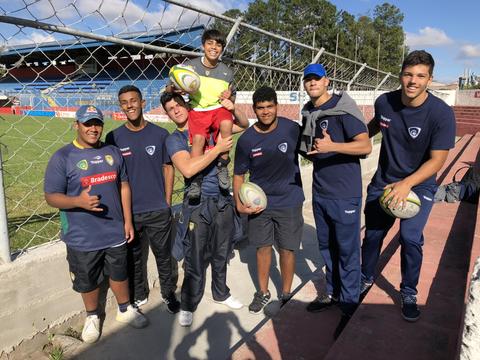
(283, 227)
(89, 268)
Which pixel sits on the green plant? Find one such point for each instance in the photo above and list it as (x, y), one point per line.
(56, 353)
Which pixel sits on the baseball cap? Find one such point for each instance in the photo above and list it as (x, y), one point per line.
(88, 112)
(314, 69)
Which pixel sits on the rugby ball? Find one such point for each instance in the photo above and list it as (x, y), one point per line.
(412, 206)
(252, 195)
(184, 78)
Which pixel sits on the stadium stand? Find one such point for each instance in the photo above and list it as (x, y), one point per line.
(74, 79)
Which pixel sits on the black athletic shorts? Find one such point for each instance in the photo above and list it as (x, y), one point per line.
(280, 226)
(89, 268)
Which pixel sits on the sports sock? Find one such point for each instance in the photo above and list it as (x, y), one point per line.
(123, 307)
(92, 312)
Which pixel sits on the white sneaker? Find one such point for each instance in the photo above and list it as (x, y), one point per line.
(91, 329)
(185, 318)
(231, 302)
(132, 317)
(139, 302)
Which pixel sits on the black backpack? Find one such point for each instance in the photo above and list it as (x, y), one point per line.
(471, 180)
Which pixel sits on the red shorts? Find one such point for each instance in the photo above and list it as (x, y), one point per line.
(207, 123)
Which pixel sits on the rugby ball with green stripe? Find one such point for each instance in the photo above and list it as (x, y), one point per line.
(184, 78)
(252, 195)
(412, 206)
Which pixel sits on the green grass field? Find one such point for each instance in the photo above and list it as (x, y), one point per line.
(27, 144)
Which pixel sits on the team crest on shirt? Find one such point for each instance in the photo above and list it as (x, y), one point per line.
(150, 149)
(283, 147)
(414, 131)
(324, 125)
(109, 159)
(82, 164)
(191, 226)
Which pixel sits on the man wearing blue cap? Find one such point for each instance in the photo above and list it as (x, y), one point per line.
(334, 137)
(83, 179)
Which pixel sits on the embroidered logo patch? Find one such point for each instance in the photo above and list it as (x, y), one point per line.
(324, 125)
(82, 164)
(191, 226)
(109, 159)
(150, 149)
(283, 147)
(414, 131)
(256, 152)
(96, 160)
(384, 122)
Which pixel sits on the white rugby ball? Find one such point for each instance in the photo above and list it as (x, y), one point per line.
(252, 195)
(184, 78)
(412, 206)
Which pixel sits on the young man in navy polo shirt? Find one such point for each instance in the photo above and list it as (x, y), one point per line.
(83, 179)
(418, 129)
(268, 152)
(207, 221)
(151, 174)
(335, 136)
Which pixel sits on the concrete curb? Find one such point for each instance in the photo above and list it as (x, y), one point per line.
(470, 347)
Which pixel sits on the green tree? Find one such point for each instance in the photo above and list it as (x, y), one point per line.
(387, 21)
(304, 21)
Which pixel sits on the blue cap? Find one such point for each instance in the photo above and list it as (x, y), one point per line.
(314, 69)
(88, 112)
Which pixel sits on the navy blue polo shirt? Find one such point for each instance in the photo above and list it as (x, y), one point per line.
(144, 154)
(179, 141)
(409, 134)
(337, 176)
(70, 170)
(272, 161)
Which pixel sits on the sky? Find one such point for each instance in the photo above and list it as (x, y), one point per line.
(449, 30)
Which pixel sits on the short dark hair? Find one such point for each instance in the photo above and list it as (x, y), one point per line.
(128, 88)
(264, 93)
(168, 96)
(419, 57)
(214, 34)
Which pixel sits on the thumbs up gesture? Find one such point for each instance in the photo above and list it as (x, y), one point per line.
(87, 201)
(322, 145)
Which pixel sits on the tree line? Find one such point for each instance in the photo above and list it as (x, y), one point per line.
(373, 39)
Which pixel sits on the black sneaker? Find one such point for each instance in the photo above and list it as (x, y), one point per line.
(364, 287)
(410, 310)
(223, 177)
(195, 188)
(173, 305)
(283, 298)
(259, 301)
(341, 325)
(321, 303)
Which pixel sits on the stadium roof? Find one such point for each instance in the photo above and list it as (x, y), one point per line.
(186, 39)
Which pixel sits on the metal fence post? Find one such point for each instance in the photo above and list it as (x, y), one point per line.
(4, 240)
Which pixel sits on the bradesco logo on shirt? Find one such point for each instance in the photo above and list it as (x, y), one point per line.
(98, 179)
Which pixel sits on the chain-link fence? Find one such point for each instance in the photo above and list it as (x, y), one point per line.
(59, 54)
